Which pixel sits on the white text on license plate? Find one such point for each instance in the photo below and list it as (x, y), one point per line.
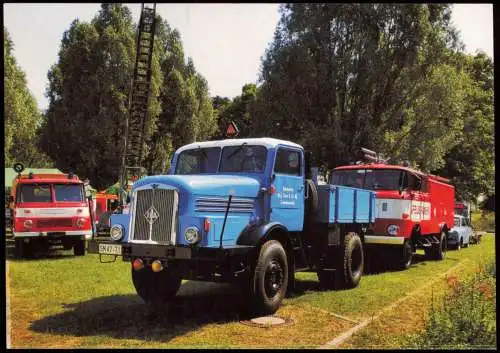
(110, 249)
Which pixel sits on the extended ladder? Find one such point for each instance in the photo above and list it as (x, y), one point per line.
(139, 98)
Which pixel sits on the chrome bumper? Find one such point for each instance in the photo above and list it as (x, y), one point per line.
(87, 234)
(379, 239)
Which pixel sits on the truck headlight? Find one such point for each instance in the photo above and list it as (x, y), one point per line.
(392, 229)
(192, 235)
(116, 232)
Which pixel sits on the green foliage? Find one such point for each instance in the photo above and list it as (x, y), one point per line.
(470, 163)
(239, 110)
(486, 222)
(467, 316)
(21, 115)
(89, 89)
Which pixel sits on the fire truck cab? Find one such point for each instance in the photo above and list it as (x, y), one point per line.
(49, 209)
(414, 210)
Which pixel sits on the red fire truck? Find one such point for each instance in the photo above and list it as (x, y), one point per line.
(49, 209)
(414, 210)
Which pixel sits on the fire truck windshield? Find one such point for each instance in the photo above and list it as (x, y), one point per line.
(69, 192)
(34, 193)
(372, 179)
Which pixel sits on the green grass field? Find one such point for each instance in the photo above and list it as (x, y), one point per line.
(73, 302)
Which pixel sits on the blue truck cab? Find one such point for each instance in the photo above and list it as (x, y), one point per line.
(244, 210)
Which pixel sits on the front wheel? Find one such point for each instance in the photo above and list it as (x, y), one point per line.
(270, 278)
(352, 261)
(405, 256)
(156, 287)
(438, 251)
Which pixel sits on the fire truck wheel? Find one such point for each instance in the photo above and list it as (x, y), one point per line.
(79, 248)
(405, 256)
(352, 261)
(438, 251)
(156, 288)
(270, 278)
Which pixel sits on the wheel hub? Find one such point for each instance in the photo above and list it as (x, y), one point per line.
(273, 278)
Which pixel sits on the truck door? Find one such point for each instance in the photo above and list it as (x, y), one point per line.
(287, 202)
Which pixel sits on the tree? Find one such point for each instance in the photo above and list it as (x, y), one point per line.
(21, 115)
(470, 163)
(338, 76)
(240, 110)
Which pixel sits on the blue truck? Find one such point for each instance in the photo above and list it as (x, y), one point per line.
(243, 210)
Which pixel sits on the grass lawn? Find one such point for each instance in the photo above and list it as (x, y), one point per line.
(73, 302)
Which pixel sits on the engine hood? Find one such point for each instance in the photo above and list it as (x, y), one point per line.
(213, 185)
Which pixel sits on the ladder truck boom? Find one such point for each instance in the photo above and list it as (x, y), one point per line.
(131, 162)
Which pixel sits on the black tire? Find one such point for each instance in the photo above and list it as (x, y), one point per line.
(79, 248)
(438, 251)
(156, 288)
(404, 256)
(352, 261)
(270, 278)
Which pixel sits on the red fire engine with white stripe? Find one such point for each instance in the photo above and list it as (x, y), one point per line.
(414, 210)
(49, 209)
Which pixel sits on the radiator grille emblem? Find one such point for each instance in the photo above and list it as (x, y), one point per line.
(151, 215)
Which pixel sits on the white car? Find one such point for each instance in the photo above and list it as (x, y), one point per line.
(459, 236)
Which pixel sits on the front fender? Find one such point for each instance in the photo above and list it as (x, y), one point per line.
(252, 236)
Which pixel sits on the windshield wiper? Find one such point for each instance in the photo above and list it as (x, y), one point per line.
(202, 151)
(236, 150)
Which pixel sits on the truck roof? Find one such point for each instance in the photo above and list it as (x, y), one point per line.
(392, 166)
(265, 141)
(48, 178)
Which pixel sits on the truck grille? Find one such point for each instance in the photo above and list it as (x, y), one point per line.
(219, 204)
(155, 216)
(55, 223)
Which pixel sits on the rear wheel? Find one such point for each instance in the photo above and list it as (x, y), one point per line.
(270, 278)
(156, 288)
(438, 251)
(352, 261)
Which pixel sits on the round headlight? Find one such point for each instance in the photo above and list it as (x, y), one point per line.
(392, 229)
(116, 232)
(192, 235)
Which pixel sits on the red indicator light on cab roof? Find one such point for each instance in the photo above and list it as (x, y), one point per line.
(206, 225)
(232, 130)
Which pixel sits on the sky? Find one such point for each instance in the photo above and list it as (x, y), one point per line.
(225, 41)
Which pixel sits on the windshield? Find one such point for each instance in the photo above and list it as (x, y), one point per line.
(34, 193)
(69, 192)
(198, 161)
(372, 179)
(243, 158)
(457, 222)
